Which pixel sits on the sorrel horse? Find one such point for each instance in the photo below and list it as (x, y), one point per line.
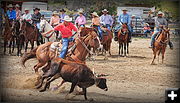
(8, 35)
(106, 41)
(161, 43)
(30, 33)
(44, 54)
(123, 39)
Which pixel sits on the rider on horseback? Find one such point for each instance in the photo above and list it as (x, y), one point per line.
(159, 22)
(124, 18)
(11, 13)
(106, 19)
(96, 24)
(80, 20)
(66, 30)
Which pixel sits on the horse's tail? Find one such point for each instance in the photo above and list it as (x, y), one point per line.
(27, 56)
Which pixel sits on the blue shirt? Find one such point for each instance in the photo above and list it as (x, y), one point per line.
(62, 17)
(124, 18)
(11, 14)
(106, 19)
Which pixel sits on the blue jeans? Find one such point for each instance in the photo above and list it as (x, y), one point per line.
(108, 26)
(100, 32)
(38, 25)
(64, 47)
(146, 31)
(156, 32)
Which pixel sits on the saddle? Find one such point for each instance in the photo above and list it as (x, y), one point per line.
(57, 46)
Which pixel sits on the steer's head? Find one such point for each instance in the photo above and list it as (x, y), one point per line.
(101, 83)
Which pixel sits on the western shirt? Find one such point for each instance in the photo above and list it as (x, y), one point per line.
(80, 20)
(106, 19)
(124, 18)
(66, 31)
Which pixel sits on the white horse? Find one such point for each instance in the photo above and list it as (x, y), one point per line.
(44, 27)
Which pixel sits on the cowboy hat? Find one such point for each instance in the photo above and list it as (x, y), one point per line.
(55, 13)
(80, 11)
(124, 9)
(94, 13)
(26, 9)
(62, 10)
(36, 9)
(147, 24)
(17, 5)
(10, 6)
(160, 12)
(105, 10)
(67, 18)
(133, 15)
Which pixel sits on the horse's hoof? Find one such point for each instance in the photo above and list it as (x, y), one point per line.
(42, 90)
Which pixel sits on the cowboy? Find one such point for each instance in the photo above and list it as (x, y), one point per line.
(18, 12)
(146, 29)
(36, 17)
(124, 18)
(106, 19)
(62, 15)
(66, 30)
(26, 16)
(54, 21)
(80, 20)
(133, 23)
(11, 13)
(159, 22)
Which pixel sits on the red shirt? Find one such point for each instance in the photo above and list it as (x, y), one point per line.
(66, 31)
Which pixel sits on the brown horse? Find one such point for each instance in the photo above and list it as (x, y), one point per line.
(8, 35)
(30, 33)
(44, 54)
(123, 39)
(106, 41)
(161, 43)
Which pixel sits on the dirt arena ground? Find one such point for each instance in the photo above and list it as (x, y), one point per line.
(131, 79)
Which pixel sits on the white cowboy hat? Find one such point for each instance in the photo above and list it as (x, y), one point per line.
(26, 9)
(160, 12)
(133, 15)
(105, 10)
(95, 14)
(147, 24)
(10, 6)
(67, 18)
(80, 11)
(124, 9)
(55, 13)
(17, 5)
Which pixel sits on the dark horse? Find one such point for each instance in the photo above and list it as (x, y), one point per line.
(8, 35)
(19, 38)
(30, 33)
(123, 39)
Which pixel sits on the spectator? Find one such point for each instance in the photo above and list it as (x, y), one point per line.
(146, 29)
(54, 19)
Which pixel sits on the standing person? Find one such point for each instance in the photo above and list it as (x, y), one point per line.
(18, 12)
(106, 19)
(159, 22)
(11, 13)
(66, 30)
(133, 23)
(36, 17)
(80, 20)
(62, 15)
(124, 18)
(26, 16)
(54, 19)
(96, 24)
(146, 29)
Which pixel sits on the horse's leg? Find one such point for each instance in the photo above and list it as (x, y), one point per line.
(71, 90)
(119, 47)
(159, 54)
(10, 47)
(5, 42)
(127, 48)
(46, 68)
(37, 66)
(163, 52)
(124, 49)
(26, 46)
(13, 42)
(154, 53)
(32, 44)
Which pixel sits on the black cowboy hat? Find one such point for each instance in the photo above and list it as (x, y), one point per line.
(62, 10)
(36, 9)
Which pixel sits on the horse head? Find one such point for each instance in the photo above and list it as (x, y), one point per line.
(42, 25)
(165, 33)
